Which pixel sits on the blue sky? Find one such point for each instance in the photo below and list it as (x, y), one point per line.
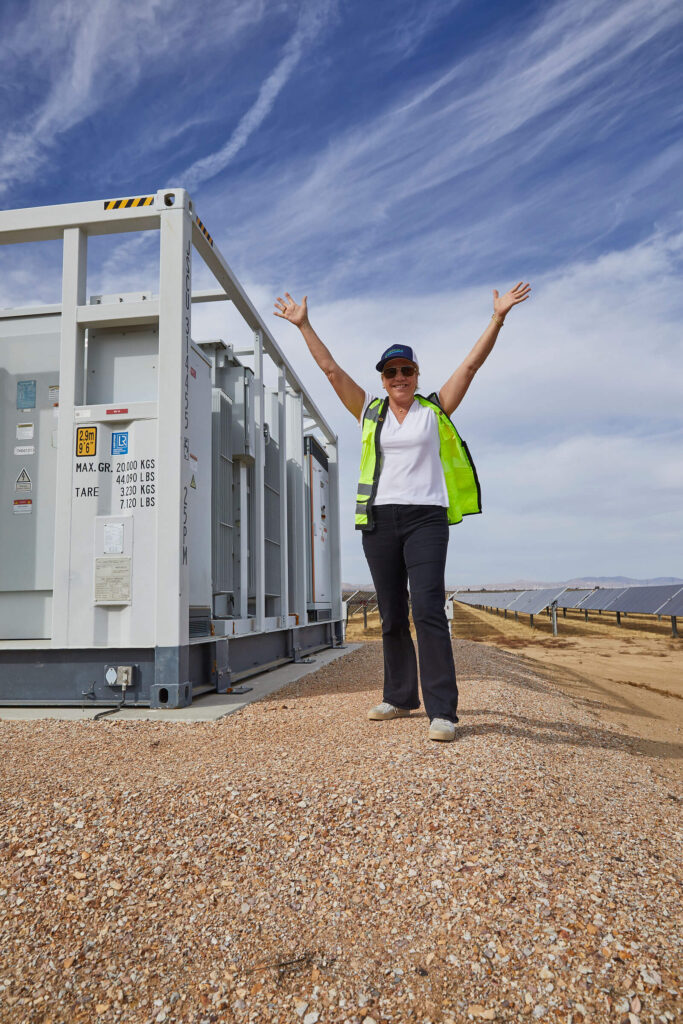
(397, 161)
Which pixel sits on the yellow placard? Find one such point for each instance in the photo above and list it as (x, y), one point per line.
(86, 441)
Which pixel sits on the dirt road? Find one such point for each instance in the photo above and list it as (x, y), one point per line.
(630, 676)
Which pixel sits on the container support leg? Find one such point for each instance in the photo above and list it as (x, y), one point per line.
(223, 672)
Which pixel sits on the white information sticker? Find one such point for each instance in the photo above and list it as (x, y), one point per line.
(53, 394)
(82, 414)
(112, 580)
(25, 449)
(22, 506)
(113, 538)
(24, 431)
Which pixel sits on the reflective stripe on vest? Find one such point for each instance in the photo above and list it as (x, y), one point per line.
(460, 475)
(367, 485)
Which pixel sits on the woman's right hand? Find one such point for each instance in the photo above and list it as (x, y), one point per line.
(292, 311)
(348, 391)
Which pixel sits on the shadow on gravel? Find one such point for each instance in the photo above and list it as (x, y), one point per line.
(562, 733)
(472, 660)
(525, 673)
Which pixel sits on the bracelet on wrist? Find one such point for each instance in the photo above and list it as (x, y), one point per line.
(497, 319)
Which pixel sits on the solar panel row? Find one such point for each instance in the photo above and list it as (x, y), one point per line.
(573, 598)
(534, 601)
(358, 599)
(661, 600)
(529, 602)
(601, 600)
(674, 606)
(646, 600)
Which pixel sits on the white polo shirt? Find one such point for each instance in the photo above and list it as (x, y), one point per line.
(410, 471)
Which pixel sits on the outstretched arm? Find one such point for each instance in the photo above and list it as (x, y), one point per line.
(348, 391)
(455, 388)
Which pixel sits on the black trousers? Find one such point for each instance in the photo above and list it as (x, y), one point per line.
(408, 544)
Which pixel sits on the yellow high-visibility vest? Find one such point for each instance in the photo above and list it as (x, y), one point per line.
(462, 484)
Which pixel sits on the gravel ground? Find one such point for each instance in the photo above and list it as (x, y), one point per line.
(296, 862)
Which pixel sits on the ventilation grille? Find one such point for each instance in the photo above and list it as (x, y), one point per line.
(200, 622)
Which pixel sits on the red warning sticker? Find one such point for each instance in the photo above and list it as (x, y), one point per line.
(115, 412)
(23, 506)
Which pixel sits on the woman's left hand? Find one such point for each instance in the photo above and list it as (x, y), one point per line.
(502, 304)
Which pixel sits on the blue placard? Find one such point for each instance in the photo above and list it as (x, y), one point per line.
(26, 394)
(119, 442)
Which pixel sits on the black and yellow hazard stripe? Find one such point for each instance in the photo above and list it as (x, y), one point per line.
(123, 204)
(203, 230)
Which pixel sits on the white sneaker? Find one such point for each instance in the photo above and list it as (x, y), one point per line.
(442, 729)
(386, 710)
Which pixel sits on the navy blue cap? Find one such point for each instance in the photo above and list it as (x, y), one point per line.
(397, 352)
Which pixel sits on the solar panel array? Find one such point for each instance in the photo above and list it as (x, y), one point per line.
(644, 600)
(494, 599)
(602, 599)
(674, 605)
(573, 598)
(534, 601)
(529, 602)
(357, 599)
(490, 598)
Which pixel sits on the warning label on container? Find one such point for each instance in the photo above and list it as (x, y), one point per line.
(22, 506)
(112, 579)
(86, 441)
(23, 482)
(24, 431)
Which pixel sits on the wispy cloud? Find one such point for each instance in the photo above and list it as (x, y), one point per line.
(312, 20)
(80, 60)
(422, 178)
(405, 32)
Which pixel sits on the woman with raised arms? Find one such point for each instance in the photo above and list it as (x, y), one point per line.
(416, 479)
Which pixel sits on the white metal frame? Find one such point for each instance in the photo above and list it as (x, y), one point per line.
(170, 211)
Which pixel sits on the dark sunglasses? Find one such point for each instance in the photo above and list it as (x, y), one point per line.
(391, 371)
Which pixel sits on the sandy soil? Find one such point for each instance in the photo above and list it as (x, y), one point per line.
(631, 676)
